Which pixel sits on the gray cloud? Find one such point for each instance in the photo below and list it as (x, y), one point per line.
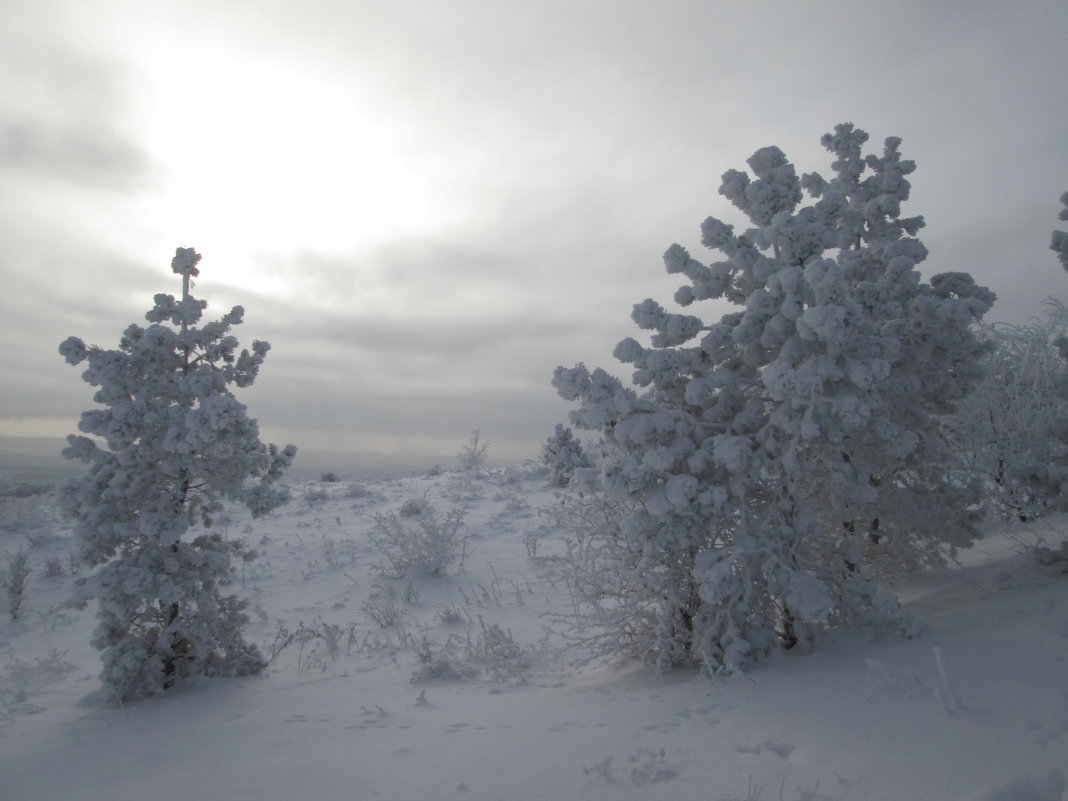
(62, 112)
(579, 139)
(68, 152)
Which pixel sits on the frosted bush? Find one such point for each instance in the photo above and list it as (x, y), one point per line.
(1004, 433)
(493, 650)
(317, 644)
(427, 545)
(413, 507)
(1048, 477)
(442, 663)
(313, 494)
(384, 613)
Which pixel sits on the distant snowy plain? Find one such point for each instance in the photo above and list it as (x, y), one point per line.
(457, 687)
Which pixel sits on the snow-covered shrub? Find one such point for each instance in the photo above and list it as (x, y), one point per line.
(497, 652)
(313, 494)
(25, 489)
(426, 546)
(1006, 427)
(515, 505)
(172, 443)
(1049, 478)
(20, 681)
(464, 488)
(442, 662)
(383, 612)
(317, 644)
(612, 587)
(514, 476)
(1047, 556)
(33, 517)
(563, 454)
(493, 651)
(768, 459)
(413, 507)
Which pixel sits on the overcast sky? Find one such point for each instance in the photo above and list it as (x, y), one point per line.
(425, 206)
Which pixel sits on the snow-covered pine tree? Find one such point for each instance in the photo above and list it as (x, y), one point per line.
(772, 457)
(172, 444)
(562, 453)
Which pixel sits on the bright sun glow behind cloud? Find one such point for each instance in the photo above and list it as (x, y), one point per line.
(262, 155)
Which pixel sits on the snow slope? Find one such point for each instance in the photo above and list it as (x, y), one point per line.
(451, 687)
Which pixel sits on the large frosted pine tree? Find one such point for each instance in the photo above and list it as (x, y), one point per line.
(771, 464)
(170, 445)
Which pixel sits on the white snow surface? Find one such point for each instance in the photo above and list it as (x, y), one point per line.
(860, 719)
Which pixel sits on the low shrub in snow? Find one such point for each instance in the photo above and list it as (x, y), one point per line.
(1053, 556)
(413, 507)
(318, 644)
(20, 681)
(492, 651)
(428, 544)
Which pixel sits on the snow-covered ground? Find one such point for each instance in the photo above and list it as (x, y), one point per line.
(451, 686)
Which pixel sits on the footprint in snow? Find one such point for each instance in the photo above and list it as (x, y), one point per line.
(662, 727)
(1050, 788)
(781, 750)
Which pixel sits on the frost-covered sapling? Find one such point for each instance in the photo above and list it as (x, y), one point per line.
(472, 456)
(563, 454)
(768, 465)
(170, 445)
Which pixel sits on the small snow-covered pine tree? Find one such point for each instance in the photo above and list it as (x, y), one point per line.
(172, 444)
(562, 453)
(775, 457)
